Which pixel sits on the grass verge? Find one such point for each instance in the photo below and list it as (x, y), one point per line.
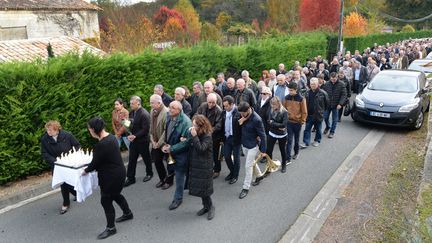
(396, 217)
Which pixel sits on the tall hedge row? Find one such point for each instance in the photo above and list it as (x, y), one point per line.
(73, 89)
(362, 42)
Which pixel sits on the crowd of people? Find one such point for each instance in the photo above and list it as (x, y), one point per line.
(188, 136)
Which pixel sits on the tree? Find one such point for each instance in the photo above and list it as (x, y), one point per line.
(316, 14)
(223, 21)
(185, 8)
(283, 14)
(375, 24)
(408, 28)
(355, 25)
(173, 30)
(164, 13)
(209, 32)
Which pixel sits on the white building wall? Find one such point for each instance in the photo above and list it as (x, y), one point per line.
(39, 24)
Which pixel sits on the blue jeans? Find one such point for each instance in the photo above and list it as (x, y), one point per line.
(125, 140)
(232, 149)
(179, 183)
(293, 133)
(310, 122)
(334, 113)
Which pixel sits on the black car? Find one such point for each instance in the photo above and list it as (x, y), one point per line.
(395, 98)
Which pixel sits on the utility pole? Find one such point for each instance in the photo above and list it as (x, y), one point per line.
(340, 27)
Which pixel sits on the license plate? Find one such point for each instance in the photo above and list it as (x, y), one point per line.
(380, 114)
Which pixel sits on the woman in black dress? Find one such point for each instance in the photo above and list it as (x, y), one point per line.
(55, 142)
(201, 164)
(108, 163)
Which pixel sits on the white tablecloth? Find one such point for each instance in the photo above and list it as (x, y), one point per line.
(83, 185)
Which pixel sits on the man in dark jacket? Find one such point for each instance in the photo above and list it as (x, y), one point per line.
(159, 90)
(341, 77)
(244, 94)
(317, 102)
(177, 145)
(360, 77)
(232, 136)
(214, 114)
(337, 96)
(198, 97)
(140, 140)
(229, 88)
(253, 135)
(179, 96)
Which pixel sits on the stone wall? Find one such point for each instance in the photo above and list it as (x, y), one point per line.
(39, 24)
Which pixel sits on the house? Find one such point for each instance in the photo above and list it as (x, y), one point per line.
(28, 19)
(32, 49)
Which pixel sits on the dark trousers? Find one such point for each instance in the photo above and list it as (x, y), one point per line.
(65, 190)
(157, 157)
(293, 134)
(135, 150)
(282, 143)
(311, 121)
(107, 204)
(217, 163)
(232, 149)
(207, 202)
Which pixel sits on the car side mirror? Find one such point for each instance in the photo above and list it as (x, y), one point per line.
(425, 90)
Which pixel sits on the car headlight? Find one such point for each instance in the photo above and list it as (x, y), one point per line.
(359, 102)
(410, 107)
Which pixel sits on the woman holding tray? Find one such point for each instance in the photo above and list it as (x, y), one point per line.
(108, 163)
(54, 142)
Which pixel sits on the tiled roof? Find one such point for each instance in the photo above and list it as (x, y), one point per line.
(47, 5)
(30, 50)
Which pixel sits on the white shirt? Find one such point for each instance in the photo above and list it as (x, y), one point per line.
(228, 123)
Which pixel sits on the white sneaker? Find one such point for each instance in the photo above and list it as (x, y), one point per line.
(315, 144)
(303, 146)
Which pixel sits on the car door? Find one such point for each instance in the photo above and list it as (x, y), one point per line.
(423, 92)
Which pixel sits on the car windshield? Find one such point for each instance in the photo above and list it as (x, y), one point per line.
(421, 66)
(403, 84)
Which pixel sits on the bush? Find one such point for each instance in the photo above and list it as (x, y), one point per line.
(362, 42)
(73, 89)
(407, 29)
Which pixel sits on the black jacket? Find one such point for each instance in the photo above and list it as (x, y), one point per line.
(187, 108)
(320, 104)
(140, 125)
(277, 122)
(214, 115)
(107, 161)
(166, 99)
(201, 166)
(52, 149)
(247, 96)
(347, 86)
(252, 130)
(264, 112)
(235, 125)
(336, 93)
(363, 74)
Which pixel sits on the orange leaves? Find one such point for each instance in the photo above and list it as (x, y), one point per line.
(317, 14)
(355, 25)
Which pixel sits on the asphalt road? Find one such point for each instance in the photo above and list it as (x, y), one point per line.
(263, 216)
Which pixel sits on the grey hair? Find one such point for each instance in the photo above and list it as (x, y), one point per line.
(159, 87)
(245, 73)
(199, 85)
(272, 71)
(181, 90)
(176, 104)
(212, 96)
(221, 74)
(281, 76)
(156, 98)
(314, 80)
(136, 98)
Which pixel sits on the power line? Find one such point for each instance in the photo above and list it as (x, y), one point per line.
(405, 20)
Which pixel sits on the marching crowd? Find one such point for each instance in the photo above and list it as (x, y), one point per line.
(187, 136)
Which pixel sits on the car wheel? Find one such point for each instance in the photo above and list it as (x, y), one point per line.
(419, 121)
(354, 116)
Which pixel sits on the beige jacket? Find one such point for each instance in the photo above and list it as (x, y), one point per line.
(160, 126)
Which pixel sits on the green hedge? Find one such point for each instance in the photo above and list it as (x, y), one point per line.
(362, 42)
(73, 89)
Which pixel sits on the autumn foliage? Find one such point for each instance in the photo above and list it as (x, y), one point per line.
(355, 25)
(164, 13)
(316, 14)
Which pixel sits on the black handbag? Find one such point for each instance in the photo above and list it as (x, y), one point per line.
(347, 109)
